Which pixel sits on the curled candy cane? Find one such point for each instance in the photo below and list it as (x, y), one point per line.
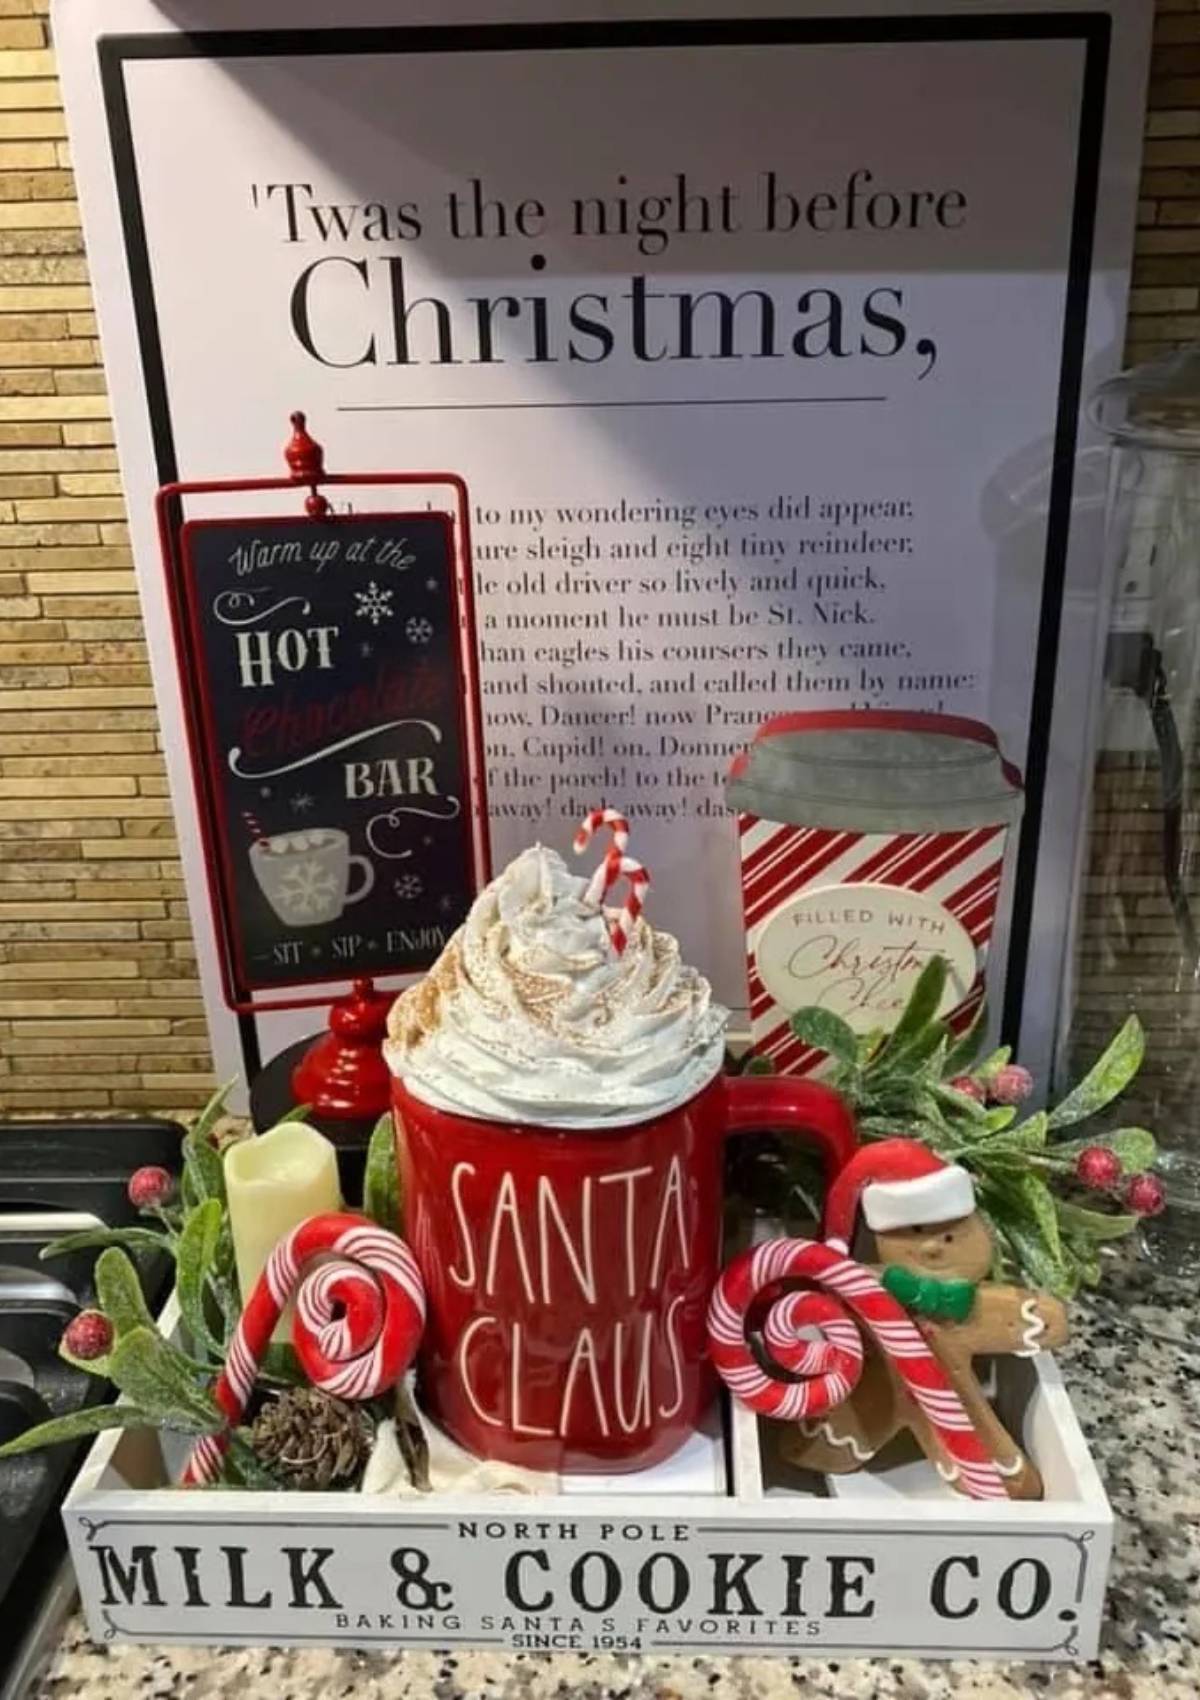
(358, 1323)
(831, 1364)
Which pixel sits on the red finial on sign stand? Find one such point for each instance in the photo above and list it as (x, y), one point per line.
(306, 462)
(343, 1074)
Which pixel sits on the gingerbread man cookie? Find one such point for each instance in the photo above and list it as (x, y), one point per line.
(929, 1313)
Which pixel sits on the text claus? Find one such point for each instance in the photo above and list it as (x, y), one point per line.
(617, 1257)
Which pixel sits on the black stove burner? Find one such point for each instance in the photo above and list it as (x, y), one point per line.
(49, 1170)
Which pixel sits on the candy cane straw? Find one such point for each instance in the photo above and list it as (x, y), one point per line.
(832, 1363)
(357, 1327)
(254, 825)
(615, 867)
(591, 824)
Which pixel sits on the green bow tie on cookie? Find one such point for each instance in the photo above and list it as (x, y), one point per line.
(926, 1295)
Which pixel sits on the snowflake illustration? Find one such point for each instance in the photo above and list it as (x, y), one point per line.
(307, 888)
(374, 603)
(445, 904)
(418, 629)
(365, 649)
(431, 584)
(408, 886)
(302, 802)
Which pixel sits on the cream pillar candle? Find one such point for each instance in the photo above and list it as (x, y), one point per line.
(274, 1183)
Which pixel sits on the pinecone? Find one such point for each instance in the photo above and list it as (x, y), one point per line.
(311, 1440)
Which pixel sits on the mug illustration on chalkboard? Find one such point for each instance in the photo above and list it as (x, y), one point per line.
(304, 875)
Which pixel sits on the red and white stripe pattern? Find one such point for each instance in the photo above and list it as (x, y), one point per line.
(615, 867)
(589, 826)
(359, 1318)
(832, 1362)
(959, 870)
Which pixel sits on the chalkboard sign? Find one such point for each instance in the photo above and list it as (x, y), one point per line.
(324, 664)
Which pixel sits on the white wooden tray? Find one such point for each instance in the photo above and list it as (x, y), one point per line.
(722, 1549)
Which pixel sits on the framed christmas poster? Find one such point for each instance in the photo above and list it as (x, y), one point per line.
(762, 341)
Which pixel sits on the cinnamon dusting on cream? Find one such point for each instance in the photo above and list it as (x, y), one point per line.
(531, 1015)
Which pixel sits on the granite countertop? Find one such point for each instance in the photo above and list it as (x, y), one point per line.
(1134, 1372)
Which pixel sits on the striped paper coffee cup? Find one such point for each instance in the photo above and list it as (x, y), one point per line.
(870, 841)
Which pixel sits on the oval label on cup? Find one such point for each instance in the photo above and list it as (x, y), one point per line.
(857, 949)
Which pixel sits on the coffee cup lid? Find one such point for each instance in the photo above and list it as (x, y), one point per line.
(876, 770)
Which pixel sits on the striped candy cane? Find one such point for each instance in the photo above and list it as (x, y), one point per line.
(832, 1363)
(588, 827)
(359, 1317)
(615, 867)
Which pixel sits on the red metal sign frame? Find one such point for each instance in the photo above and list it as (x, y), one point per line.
(172, 531)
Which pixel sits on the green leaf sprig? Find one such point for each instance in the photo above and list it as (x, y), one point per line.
(381, 1182)
(909, 1081)
(165, 1386)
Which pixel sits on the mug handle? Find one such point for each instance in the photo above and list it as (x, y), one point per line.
(368, 880)
(812, 1111)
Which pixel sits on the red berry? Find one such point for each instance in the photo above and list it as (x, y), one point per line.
(149, 1186)
(1011, 1085)
(88, 1335)
(968, 1086)
(1098, 1168)
(1146, 1196)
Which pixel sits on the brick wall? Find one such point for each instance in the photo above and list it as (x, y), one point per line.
(1165, 305)
(98, 998)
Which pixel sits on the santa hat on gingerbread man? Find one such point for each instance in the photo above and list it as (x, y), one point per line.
(899, 1183)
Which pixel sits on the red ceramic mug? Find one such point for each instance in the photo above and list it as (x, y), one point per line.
(568, 1271)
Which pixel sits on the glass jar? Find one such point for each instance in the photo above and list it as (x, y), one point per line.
(1138, 925)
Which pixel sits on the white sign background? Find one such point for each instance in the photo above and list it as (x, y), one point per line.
(570, 1582)
(960, 455)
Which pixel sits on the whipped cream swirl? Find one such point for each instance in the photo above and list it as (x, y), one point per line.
(531, 1014)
